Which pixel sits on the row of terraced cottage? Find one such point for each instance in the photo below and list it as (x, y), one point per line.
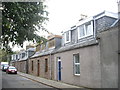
(85, 55)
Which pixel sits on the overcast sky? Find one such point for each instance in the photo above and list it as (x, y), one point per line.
(66, 13)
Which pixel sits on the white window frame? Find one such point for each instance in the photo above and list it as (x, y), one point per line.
(18, 56)
(27, 54)
(68, 36)
(14, 56)
(74, 64)
(84, 25)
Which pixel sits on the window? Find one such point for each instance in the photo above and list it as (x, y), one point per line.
(89, 30)
(76, 64)
(67, 36)
(23, 55)
(82, 31)
(46, 65)
(85, 30)
(11, 57)
(32, 66)
(43, 47)
(20, 56)
(30, 53)
(16, 57)
(37, 48)
(51, 43)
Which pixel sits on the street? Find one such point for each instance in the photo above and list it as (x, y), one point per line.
(17, 81)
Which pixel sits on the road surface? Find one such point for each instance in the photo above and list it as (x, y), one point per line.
(16, 81)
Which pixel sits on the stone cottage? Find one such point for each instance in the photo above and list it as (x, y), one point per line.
(20, 60)
(42, 62)
(88, 56)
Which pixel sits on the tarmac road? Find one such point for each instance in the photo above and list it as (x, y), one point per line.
(16, 81)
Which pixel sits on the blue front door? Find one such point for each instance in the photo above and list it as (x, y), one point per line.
(59, 69)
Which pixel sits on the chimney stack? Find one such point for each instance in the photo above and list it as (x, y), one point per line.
(83, 17)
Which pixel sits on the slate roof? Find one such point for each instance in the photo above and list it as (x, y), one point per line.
(75, 46)
(37, 54)
(93, 41)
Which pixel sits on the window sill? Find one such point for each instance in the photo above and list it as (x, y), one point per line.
(67, 42)
(84, 36)
(51, 48)
(76, 74)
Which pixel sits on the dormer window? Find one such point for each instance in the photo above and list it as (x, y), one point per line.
(51, 43)
(67, 36)
(85, 30)
(43, 46)
(23, 55)
(81, 31)
(16, 57)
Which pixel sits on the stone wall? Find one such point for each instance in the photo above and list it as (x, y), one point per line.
(90, 73)
(42, 72)
(20, 65)
(109, 58)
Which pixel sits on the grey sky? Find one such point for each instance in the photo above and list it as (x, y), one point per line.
(66, 13)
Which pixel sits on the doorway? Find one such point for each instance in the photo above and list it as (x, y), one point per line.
(59, 68)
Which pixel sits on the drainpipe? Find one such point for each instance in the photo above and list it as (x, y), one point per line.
(27, 63)
(50, 66)
(97, 39)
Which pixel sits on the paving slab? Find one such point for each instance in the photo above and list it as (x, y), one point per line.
(51, 83)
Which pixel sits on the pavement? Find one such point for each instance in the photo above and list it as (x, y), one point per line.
(51, 83)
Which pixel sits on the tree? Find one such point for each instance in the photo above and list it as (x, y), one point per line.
(5, 54)
(19, 21)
